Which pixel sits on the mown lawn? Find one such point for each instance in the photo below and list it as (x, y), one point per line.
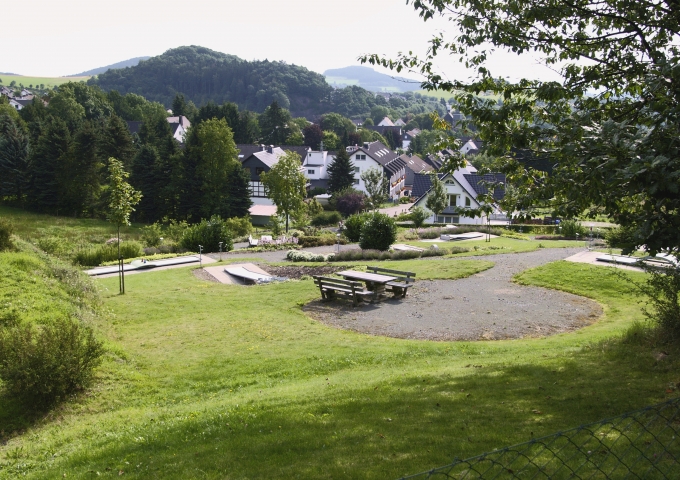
(499, 245)
(205, 380)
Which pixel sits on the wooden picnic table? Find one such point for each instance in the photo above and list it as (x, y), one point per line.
(374, 281)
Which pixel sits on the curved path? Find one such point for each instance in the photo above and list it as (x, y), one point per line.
(484, 306)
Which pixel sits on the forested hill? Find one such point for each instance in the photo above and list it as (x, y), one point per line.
(204, 75)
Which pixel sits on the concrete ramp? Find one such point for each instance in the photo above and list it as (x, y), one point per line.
(241, 274)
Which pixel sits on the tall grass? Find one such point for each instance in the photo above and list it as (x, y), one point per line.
(92, 257)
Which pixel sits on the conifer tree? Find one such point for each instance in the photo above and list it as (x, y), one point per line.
(340, 172)
(14, 159)
(238, 192)
(49, 156)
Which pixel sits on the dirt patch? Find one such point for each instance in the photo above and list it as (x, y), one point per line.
(203, 275)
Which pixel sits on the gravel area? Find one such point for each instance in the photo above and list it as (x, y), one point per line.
(485, 306)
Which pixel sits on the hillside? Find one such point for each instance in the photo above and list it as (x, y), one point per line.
(369, 79)
(35, 82)
(125, 63)
(204, 75)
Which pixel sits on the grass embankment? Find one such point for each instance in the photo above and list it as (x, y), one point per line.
(214, 381)
(64, 236)
(38, 288)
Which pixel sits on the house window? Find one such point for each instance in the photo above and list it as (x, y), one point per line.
(453, 200)
(467, 201)
(259, 170)
(356, 181)
(310, 171)
(361, 157)
(357, 169)
(257, 189)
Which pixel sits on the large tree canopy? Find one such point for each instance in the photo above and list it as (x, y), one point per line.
(610, 127)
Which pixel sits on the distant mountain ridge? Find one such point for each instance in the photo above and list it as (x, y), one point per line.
(132, 62)
(369, 79)
(203, 75)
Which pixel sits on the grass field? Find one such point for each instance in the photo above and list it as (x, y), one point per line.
(207, 380)
(49, 82)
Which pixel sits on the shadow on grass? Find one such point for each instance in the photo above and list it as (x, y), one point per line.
(16, 416)
(394, 426)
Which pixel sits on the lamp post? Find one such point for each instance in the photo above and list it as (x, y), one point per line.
(221, 251)
(200, 255)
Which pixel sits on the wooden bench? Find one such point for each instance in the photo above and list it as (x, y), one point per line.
(330, 287)
(399, 286)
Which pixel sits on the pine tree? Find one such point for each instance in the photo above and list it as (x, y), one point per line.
(48, 157)
(14, 159)
(238, 192)
(145, 178)
(340, 172)
(117, 141)
(85, 172)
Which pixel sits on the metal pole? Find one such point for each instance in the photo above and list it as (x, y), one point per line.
(200, 255)
(221, 251)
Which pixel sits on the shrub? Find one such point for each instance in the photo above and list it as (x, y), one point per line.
(208, 234)
(454, 250)
(571, 228)
(313, 192)
(418, 216)
(297, 256)
(41, 365)
(434, 252)
(53, 245)
(239, 227)
(326, 218)
(405, 254)
(621, 237)
(151, 235)
(319, 241)
(662, 288)
(378, 232)
(349, 201)
(174, 229)
(6, 231)
(405, 200)
(353, 226)
(106, 253)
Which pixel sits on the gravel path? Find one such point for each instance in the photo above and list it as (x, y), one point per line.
(485, 306)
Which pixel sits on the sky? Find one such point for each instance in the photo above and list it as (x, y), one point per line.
(63, 37)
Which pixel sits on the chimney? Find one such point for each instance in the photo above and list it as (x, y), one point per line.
(366, 145)
(262, 147)
(270, 149)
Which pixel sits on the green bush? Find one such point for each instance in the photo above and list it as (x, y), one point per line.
(621, 237)
(53, 245)
(378, 232)
(208, 234)
(319, 241)
(106, 253)
(239, 227)
(152, 234)
(297, 256)
(353, 226)
(403, 200)
(6, 231)
(571, 228)
(418, 216)
(41, 365)
(326, 218)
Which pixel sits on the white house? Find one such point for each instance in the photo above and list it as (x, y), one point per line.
(369, 155)
(462, 190)
(179, 126)
(386, 122)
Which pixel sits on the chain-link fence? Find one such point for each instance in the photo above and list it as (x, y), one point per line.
(642, 444)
